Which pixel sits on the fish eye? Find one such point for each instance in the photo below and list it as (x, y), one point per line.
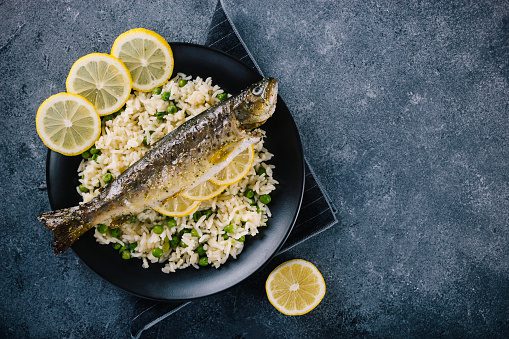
(257, 90)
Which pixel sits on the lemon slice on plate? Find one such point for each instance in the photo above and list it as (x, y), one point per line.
(205, 191)
(147, 55)
(237, 169)
(102, 79)
(295, 287)
(67, 123)
(178, 206)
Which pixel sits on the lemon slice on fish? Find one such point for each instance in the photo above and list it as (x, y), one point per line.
(68, 123)
(295, 287)
(101, 79)
(237, 169)
(147, 55)
(178, 206)
(205, 191)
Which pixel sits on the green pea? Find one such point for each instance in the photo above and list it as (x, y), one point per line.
(182, 244)
(116, 246)
(157, 90)
(197, 215)
(174, 242)
(261, 170)
(242, 239)
(121, 249)
(249, 193)
(226, 236)
(172, 109)
(157, 252)
(126, 255)
(86, 155)
(94, 150)
(83, 189)
(229, 229)
(115, 232)
(132, 246)
(172, 222)
(201, 251)
(265, 199)
(108, 178)
(203, 261)
(182, 82)
(95, 156)
(222, 96)
(102, 228)
(133, 219)
(165, 96)
(158, 229)
(194, 233)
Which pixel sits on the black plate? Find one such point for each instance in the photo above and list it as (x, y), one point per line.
(282, 140)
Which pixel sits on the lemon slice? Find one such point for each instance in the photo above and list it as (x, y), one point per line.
(237, 169)
(295, 287)
(67, 123)
(147, 55)
(178, 206)
(205, 191)
(102, 79)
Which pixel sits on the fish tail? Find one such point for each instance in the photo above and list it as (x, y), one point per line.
(67, 225)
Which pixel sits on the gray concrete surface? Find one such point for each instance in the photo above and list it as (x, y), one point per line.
(403, 109)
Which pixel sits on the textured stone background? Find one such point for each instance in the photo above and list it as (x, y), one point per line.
(403, 109)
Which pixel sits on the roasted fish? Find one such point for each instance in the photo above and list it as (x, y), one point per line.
(186, 157)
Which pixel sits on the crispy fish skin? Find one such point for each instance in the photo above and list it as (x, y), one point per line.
(180, 160)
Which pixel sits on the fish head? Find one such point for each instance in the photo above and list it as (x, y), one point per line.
(257, 103)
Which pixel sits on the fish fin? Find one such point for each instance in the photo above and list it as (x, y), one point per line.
(67, 224)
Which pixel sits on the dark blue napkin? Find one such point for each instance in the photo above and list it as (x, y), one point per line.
(316, 215)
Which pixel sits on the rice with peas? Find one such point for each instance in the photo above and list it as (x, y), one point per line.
(127, 136)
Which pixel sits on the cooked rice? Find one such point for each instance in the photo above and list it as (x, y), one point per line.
(122, 143)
